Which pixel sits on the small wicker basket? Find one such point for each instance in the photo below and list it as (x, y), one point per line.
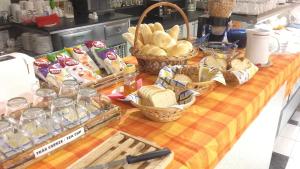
(163, 114)
(153, 64)
(221, 8)
(193, 73)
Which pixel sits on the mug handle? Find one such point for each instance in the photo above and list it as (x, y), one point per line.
(278, 45)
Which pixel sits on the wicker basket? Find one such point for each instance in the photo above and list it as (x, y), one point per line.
(220, 8)
(152, 64)
(193, 73)
(163, 114)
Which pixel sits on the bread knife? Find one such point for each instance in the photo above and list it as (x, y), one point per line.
(133, 159)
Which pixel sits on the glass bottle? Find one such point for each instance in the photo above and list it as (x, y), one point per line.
(129, 79)
(69, 88)
(33, 121)
(16, 107)
(63, 113)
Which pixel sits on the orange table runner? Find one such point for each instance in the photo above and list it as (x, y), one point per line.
(207, 130)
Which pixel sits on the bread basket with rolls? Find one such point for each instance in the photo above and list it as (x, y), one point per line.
(190, 77)
(161, 104)
(154, 48)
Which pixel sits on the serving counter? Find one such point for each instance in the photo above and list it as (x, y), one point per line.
(218, 128)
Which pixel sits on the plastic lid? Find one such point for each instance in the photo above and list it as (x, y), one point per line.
(130, 68)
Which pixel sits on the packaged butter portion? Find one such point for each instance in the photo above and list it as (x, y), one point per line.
(79, 54)
(82, 74)
(110, 60)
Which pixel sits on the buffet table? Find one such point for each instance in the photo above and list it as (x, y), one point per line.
(207, 130)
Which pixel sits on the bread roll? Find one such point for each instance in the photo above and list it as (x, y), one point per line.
(178, 50)
(174, 32)
(157, 97)
(187, 44)
(183, 78)
(130, 38)
(158, 27)
(151, 26)
(238, 65)
(153, 50)
(146, 33)
(162, 40)
(132, 29)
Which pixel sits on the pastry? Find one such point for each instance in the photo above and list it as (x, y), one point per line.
(163, 40)
(158, 27)
(151, 26)
(153, 50)
(238, 64)
(129, 37)
(157, 97)
(174, 32)
(146, 33)
(183, 78)
(186, 44)
(178, 50)
(132, 29)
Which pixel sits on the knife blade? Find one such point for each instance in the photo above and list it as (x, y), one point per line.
(133, 159)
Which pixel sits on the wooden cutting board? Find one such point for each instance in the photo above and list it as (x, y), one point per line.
(117, 147)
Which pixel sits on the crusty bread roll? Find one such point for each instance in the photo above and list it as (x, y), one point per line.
(158, 27)
(187, 44)
(183, 78)
(174, 32)
(130, 38)
(153, 50)
(238, 64)
(216, 63)
(162, 40)
(151, 26)
(178, 50)
(146, 33)
(157, 97)
(132, 29)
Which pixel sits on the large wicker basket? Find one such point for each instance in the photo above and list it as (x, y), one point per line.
(153, 64)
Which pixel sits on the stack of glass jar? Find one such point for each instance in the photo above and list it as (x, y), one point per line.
(26, 125)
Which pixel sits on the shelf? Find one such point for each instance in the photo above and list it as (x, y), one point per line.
(253, 19)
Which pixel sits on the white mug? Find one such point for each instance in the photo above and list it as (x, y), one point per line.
(260, 46)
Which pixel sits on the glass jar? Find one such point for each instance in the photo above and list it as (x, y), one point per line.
(86, 107)
(33, 121)
(64, 113)
(16, 106)
(129, 79)
(44, 98)
(69, 88)
(12, 139)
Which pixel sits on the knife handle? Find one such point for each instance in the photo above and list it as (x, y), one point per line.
(148, 156)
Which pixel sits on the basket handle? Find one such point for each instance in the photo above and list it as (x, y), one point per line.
(144, 14)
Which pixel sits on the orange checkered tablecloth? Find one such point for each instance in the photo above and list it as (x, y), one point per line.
(207, 130)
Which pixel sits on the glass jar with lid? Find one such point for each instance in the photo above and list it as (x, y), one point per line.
(16, 106)
(12, 139)
(34, 122)
(129, 79)
(63, 113)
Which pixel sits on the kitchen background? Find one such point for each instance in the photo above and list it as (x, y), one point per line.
(108, 19)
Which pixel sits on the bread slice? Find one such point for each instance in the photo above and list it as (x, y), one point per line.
(157, 97)
(183, 78)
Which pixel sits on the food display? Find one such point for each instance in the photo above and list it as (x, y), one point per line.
(153, 40)
(79, 63)
(157, 97)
